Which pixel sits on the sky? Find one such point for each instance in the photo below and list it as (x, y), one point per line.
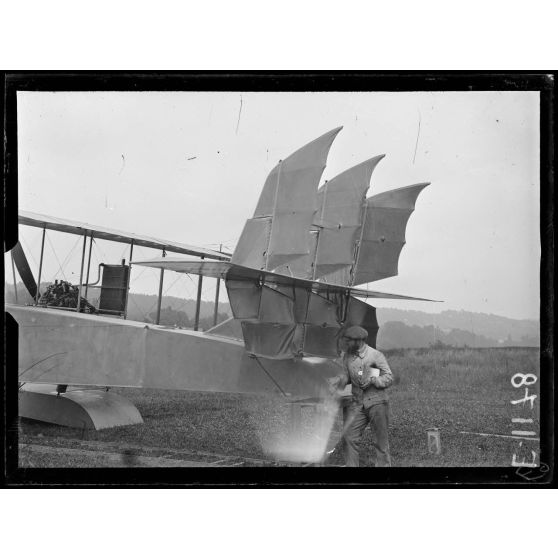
(189, 167)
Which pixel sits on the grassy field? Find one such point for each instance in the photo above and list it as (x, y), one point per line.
(451, 389)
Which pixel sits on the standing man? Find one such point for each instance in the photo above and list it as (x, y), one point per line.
(368, 372)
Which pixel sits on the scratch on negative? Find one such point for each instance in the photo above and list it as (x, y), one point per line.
(416, 144)
(42, 373)
(42, 360)
(239, 112)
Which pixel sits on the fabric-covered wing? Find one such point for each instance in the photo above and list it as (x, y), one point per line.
(383, 235)
(341, 202)
(283, 322)
(284, 317)
(230, 328)
(302, 267)
(74, 227)
(230, 271)
(289, 199)
(286, 322)
(252, 245)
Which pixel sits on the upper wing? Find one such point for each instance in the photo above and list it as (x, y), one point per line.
(75, 227)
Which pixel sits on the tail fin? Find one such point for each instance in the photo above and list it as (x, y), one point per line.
(278, 231)
(383, 235)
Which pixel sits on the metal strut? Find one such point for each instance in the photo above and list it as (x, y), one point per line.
(269, 375)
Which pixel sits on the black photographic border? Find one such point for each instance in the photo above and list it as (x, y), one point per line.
(463, 477)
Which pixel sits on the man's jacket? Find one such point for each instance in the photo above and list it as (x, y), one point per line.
(358, 368)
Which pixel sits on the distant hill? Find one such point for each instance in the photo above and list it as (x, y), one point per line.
(141, 305)
(398, 328)
(457, 327)
(398, 335)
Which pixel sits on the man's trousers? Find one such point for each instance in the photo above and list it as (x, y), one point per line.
(355, 419)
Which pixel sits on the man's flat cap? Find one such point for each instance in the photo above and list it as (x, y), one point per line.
(356, 332)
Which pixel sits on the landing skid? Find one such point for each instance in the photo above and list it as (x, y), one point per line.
(77, 408)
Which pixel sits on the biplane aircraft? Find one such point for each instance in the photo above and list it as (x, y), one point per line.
(292, 283)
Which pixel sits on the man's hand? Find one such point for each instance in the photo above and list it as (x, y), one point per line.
(371, 382)
(364, 385)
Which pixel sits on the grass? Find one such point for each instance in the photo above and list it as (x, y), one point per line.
(451, 389)
(458, 390)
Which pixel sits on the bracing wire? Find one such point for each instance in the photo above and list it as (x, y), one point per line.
(140, 273)
(100, 255)
(61, 268)
(182, 305)
(125, 251)
(28, 250)
(145, 268)
(154, 305)
(170, 286)
(145, 316)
